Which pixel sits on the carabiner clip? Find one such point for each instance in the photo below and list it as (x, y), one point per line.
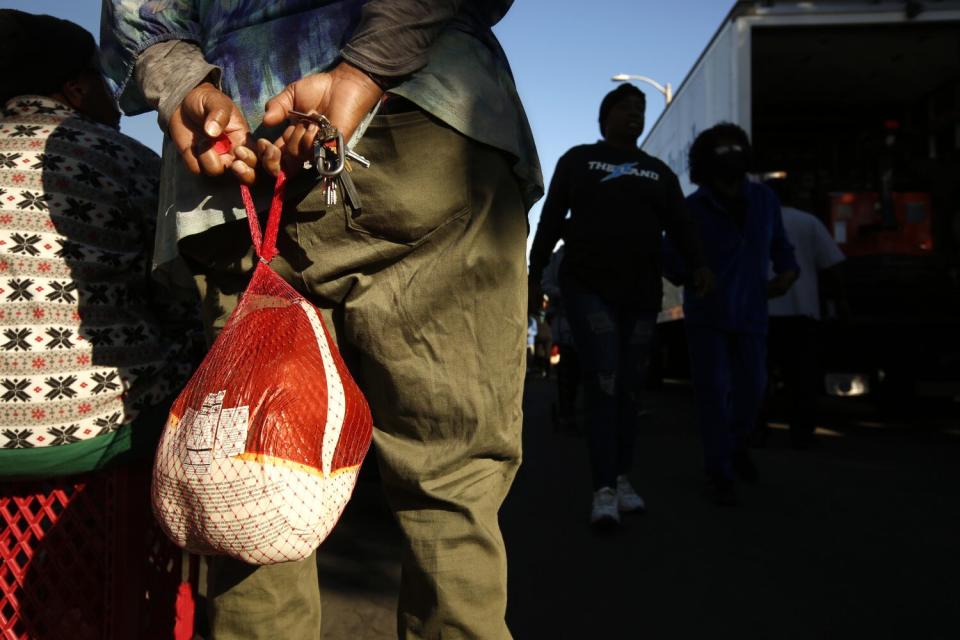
(320, 161)
(327, 133)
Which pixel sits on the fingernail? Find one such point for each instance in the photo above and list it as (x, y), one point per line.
(212, 129)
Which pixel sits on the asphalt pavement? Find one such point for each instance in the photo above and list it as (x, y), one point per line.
(858, 538)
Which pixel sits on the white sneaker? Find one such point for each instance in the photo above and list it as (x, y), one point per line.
(605, 507)
(627, 498)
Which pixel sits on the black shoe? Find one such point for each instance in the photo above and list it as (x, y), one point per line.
(722, 491)
(744, 468)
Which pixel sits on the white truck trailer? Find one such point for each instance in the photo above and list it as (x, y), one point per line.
(859, 103)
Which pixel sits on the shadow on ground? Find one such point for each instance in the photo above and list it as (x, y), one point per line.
(857, 538)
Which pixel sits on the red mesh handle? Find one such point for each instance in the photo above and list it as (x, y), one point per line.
(265, 246)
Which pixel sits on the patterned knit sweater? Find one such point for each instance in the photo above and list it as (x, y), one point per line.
(82, 349)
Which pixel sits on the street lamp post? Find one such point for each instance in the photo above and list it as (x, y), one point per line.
(666, 90)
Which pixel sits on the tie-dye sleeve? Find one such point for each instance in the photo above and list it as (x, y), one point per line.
(127, 28)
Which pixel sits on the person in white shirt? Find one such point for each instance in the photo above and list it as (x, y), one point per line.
(794, 319)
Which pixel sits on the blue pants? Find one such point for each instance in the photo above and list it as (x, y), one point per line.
(729, 373)
(613, 344)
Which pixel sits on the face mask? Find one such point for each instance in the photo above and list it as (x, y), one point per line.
(730, 163)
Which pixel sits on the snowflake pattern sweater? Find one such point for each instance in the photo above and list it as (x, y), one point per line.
(81, 349)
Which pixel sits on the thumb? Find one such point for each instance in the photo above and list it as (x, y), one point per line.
(279, 106)
(216, 108)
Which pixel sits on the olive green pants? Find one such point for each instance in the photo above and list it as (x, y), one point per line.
(425, 289)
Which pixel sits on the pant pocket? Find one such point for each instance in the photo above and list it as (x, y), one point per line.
(418, 178)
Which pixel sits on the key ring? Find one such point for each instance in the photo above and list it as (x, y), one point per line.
(328, 133)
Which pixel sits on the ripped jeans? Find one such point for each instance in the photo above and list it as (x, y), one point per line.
(613, 342)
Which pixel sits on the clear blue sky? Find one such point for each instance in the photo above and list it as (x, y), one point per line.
(563, 53)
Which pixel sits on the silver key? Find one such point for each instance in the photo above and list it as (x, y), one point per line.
(353, 155)
(330, 191)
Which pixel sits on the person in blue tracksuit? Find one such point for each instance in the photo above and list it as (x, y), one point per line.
(742, 234)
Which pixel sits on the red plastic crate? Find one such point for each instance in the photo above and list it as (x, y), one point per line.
(81, 558)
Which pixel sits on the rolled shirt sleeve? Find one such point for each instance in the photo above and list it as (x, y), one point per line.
(166, 72)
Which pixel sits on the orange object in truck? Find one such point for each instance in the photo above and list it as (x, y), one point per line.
(857, 225)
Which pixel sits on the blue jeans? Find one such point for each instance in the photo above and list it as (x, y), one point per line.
(729, 372)
(613, 343)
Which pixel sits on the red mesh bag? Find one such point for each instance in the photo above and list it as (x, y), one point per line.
(261, 451)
